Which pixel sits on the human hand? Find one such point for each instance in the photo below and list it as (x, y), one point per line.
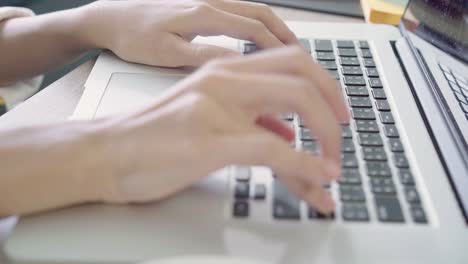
(159, 32)
(224, 114)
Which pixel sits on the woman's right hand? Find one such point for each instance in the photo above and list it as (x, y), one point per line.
(225, 114)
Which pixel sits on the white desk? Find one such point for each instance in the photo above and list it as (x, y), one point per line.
(56, 102)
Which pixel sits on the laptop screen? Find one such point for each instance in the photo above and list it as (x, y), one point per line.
(444, 23)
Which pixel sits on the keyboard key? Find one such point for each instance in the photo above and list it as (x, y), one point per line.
(352, 193)
(375, 83)
(369, 62)
(354, 80)
(351, 70)
(334, 74)
(382, 105)
(242, 173)
(454, 87)
(347, 146)
(374, 154)
(350, 176)
(346, 132)
(328, 65)
(260, 191)
(449, 77)
(460, 97)
(241, 209)
(328, 56)
(363, 44)
(400, 160)
(344, 44)
(355, 212)
(396, 145)
(378, 169)
(305, 44)
(406, 177)
(285, 204)
(418, 214)
(369, 126)
(462, 84)
(444, 68)
(357, 91)
(242, 190)
(386, 118)
(363, 113)
(391, 131)
(349, 160)
(323, 45)
(349, 61)
(460, 78)
(464, 107)
(372, 72)
(383, 186)
(388, 209)
(306, 135)
(310, 146)
(366, 53)
(347, 52)
(249, 48)
(379, 94)
(370, 139)
(362, 102)
(412, 195)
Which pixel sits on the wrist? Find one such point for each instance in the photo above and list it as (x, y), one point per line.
(91, 25)
(98, 163)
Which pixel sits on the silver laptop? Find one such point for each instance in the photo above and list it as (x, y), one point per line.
(403, 195)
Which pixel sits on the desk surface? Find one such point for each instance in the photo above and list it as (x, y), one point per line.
(58, 101)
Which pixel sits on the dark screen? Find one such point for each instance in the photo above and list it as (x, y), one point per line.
(444, 23)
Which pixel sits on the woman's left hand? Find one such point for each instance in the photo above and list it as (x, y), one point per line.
(160, 32)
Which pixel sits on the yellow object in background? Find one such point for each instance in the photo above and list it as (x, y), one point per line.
(2, 106)
(383, 11)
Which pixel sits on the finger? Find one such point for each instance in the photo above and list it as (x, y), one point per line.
(258, 95)
(314, 195)
(295, 61)
(276, 126)
(195, 54)
(303, 173)
(209, 21)
(259, 12)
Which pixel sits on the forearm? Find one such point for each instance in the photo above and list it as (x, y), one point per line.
(52, 166)
(32, 45)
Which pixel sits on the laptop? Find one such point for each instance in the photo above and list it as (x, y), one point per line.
(403, 195)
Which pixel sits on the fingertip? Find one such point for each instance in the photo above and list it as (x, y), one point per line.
(327, 202)
(345, 116)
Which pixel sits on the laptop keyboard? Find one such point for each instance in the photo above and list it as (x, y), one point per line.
(377, 182)
(459, 86)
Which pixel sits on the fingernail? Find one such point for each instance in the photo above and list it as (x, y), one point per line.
(332, 170)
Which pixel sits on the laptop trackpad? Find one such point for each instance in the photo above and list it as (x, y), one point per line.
(127, 92)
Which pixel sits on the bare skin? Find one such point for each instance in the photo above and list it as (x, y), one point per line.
(63, 164)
